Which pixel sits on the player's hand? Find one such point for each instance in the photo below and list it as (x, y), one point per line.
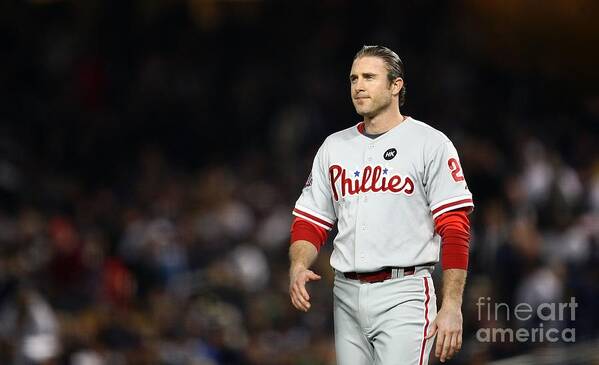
(297, 287)
(448, 327)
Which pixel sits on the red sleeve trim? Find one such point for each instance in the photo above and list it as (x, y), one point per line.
(448, 205)
(302, 229)
(454, 229)
(311, 217)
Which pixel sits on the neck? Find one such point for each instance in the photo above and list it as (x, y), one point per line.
(383, 122)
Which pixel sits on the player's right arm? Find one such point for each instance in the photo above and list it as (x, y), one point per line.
(314, 217)
(302, 255)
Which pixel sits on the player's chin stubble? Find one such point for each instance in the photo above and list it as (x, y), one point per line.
(362, 109)
(367, 111)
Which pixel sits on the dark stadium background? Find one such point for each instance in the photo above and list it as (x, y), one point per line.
(151, 152)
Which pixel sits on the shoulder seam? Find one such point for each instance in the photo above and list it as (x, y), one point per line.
(340, 132)
(429, 127)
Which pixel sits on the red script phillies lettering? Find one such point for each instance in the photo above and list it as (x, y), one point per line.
(371, 178)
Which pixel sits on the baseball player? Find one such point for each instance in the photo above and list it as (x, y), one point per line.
(395, 188)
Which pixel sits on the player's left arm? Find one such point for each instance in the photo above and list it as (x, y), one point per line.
(450, 202)
(448, 323)
(454, 229)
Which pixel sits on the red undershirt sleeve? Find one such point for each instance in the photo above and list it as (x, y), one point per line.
(302, 229)
(454, 229)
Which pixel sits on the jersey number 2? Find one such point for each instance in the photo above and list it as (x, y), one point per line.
(456, 170)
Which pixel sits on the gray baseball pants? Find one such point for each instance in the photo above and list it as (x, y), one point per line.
(384, 323)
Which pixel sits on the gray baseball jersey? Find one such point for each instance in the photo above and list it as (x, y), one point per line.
(384, 194)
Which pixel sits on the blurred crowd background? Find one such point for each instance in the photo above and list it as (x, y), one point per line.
(151, 153)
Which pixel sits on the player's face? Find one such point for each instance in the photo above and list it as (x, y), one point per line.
(370, 87)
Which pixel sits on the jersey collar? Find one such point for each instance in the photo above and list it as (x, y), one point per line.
(362, 127)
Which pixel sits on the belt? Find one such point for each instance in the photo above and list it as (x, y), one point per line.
(381, 275)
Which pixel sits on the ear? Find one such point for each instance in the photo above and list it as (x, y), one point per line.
(396, 86)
